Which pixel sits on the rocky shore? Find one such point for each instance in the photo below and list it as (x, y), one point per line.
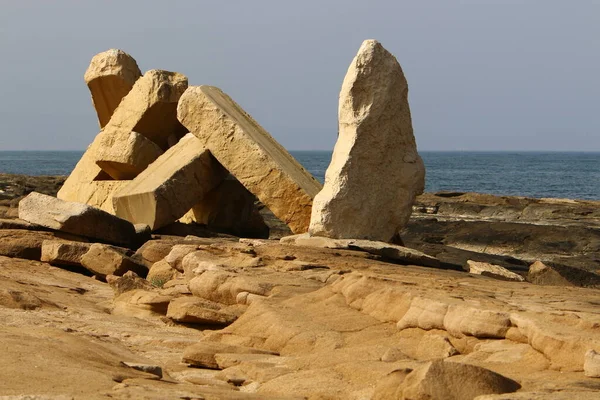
(190, 256)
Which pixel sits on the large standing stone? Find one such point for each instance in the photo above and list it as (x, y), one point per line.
(110, 76)
(76, 218)
(250, 154)
(170, 186)
(375, 171)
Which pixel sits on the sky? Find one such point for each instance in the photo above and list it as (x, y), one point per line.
(482, 74)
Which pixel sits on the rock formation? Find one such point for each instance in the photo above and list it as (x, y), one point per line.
(110, 76)
(250, 154)
(76, 218)
(170, 186)
(375, 171)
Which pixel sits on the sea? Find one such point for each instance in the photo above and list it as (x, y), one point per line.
(574, 175)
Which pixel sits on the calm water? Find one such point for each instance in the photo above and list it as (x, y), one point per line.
(568, 175)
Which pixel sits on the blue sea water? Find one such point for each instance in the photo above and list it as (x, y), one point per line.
(531, 174)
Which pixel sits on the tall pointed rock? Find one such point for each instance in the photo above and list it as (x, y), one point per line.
(375, 172)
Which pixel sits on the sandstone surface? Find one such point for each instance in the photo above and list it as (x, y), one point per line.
(375, 172)
(76, 218)
(110, 76)
(250, 154)
(170, 186)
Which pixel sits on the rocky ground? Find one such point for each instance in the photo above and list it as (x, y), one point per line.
(223, 318)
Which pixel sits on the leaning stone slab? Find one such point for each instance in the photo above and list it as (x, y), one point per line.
(123, 155)
(76, 218)
(63, 252)
(110, 76)
(389, 251)
(170, 186)
(250, 154)
(375, 171)
(150, 108)
(493, 271)
(102, 259)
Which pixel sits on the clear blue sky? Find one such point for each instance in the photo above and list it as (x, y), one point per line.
(482, 74)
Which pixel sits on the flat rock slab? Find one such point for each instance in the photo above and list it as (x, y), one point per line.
(202, 354)
(27, 244)
(375, 171)
(103, 260)
(385, 250)
(63, 252)
(493, 271)
(76, 218)
(170, 186)
(197, 311)
(250, 154)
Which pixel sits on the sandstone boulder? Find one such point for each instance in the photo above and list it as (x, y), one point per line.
(493, 271)
(110, 76)
(123, 155)
(591, 364)
(62, 252)
(202, 354)
(27, 244)
(375, 171)
(198, 311)
(103, 260)
(229, 208)
(250, 154)
(76, 218)
(170, 186)
(160, 273)
(443, 380)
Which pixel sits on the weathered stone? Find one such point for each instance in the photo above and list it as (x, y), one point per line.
(169, 187)
(27, 244)
(96, 194)
(375, 171)
(561, 275)
(129, 281)
(493, 271)
(177, 254)
(229, 208)
(15, 223)
(250, 154)
(443, 380)
(102, 260)
(197, 311)
(75, 218)
(63, 252)
(154, 250)
(141, 303)
(160, 273)
(382, 249)
(151, 369)
(110, 76)
(591, 364)
(148, 109)
(203, 354)
(434, 346)
(123, 155)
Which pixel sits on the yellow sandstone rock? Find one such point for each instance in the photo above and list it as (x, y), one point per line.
(250, 154)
